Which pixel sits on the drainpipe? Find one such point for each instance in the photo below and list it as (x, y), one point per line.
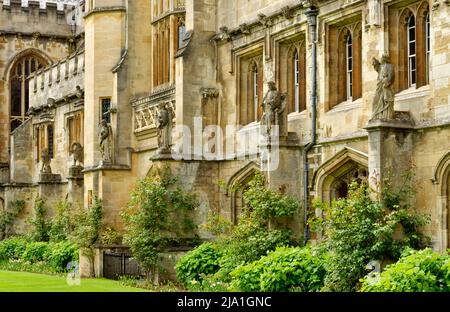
(311, 14)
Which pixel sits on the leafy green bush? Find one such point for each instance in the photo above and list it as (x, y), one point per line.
(61, 224)
(261, 228)
(159, 211)
(40, 225)
(12, 248)
(55, 255)
(204, 259)
(359, 229)
(7, 217)
(282, 270)
(35, 252)
(59, 254)
(416, 271)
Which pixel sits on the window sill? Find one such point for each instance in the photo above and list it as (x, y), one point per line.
(298, 115)
(412, 92)
(346, 106)
(251, 126)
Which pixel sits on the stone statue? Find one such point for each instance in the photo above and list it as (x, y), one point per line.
(383, 103)
(165, 125)
(105, 141)
(273, 106)
(46, 160)
(77, 151)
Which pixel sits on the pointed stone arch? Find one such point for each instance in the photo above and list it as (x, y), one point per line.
(29, 51)
(333, 169)
(441, 180)
(236, 185)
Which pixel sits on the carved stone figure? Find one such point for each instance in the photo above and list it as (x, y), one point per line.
(77, 151)
(46, 160)
(273, 106)
(383, 103)
(165, 125)
(105, 134)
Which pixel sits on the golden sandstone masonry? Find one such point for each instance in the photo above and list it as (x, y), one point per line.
(112, 90)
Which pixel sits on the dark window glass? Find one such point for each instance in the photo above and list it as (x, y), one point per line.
(181, 32)
(50, 140)
(16, 95)
(27, 95)
(15, 124)
(106, 106)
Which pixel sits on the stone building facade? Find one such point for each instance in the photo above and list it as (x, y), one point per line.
(163, 73)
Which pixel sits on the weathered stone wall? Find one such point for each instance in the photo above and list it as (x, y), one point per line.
(43, 32)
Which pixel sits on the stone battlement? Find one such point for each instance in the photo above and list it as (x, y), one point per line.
(43, 17)
(42, 5)
(59, 78)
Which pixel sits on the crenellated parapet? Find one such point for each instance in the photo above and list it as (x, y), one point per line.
(60, 5)
(61, 82)
(48, 18)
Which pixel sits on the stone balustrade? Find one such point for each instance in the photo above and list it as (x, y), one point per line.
(57, 80)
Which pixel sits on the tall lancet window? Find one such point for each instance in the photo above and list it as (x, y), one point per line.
(428, 45)
(256, 87)
(411, 35)
(349, 66)
(296, 82)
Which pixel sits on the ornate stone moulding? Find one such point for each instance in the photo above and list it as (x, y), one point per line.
(262, 21)
(146, 109)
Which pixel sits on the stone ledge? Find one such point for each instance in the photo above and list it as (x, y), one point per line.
(49, 178)
(107, 167)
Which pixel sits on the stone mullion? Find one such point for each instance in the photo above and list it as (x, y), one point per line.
(357, 66)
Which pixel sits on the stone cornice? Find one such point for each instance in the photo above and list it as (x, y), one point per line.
(106, 10)
(264, 21)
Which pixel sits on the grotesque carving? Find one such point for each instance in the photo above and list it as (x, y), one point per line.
(165, 121)
(383, 103)
(77, 151)
(105, 135)
(46, 160)
(245, 29)
(273, 106)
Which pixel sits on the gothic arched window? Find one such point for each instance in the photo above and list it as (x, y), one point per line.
(19, 87)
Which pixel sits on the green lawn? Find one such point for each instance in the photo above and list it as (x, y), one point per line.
(29, 282)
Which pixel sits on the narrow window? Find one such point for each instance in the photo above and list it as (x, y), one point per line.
(349, 59)
(296, 82)
(106, 110)
(411, 51)
(181, 32)
(50, 141)
(428, 45)
(255, 92)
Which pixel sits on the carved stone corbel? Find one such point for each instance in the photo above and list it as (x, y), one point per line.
(264, 20)
(245, 29)
(287, 12)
